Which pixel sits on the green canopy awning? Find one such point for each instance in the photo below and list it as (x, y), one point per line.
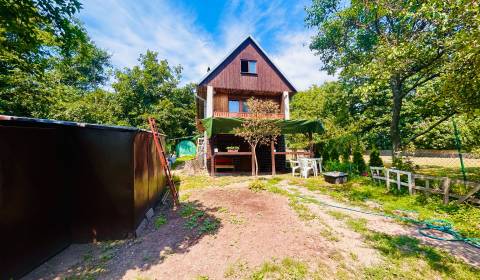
(226, 125)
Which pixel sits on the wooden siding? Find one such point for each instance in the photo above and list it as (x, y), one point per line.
(267, 79)
(220, 100)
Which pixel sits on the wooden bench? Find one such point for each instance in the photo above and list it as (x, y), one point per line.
(224, 163)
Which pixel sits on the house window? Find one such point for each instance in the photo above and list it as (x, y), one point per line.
(244, 106)
(233, 106)
(248, 66)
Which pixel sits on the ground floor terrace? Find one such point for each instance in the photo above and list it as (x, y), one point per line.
(279, 227)
(272, 159)
(223, 151)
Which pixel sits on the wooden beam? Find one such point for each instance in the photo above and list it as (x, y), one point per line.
(469, 194)
(272, 150)
(212, 164)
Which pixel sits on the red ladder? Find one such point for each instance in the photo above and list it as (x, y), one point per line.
(163, 160)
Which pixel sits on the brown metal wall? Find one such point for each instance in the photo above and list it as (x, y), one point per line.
(63, 183)
(33, 208)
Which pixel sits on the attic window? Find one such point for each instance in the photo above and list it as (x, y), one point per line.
(248, 66)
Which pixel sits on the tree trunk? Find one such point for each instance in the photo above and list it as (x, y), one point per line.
(396, 87)
(254, 155)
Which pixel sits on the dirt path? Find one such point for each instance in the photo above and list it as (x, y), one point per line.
(466, 252)
(253, 228)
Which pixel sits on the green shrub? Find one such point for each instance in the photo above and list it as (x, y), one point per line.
(346, 156)
(375, 159)
(333, 155)
(359, 162)
(160, 221)
(346, 167)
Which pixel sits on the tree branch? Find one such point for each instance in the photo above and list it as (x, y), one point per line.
(419, 82)
(432, 126)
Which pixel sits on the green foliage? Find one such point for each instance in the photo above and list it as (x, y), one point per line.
(375, 159)
(209, 225)
(406, 66)
(359, 161)
(160, 221)
(333, 155)
(335, 165)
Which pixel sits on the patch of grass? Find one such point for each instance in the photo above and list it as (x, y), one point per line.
(181, 160)
(329, 234)
(189, 182)
(303, 212)
(160, 221)
(238, 269)
(285, 269)
(202, 277)
(337, 215)
(406, 258)
(357, 225)
(257, 185)
(360, 190)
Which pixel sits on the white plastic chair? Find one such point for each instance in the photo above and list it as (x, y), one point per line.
(305, 167)
(294, 165)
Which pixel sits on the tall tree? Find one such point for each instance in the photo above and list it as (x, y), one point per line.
(395, 52)
(151, 90)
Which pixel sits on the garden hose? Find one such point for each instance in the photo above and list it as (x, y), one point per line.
(426, 225)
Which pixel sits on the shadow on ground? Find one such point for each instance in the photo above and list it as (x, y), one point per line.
(168, 232)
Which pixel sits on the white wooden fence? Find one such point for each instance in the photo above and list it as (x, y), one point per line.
(408, 179)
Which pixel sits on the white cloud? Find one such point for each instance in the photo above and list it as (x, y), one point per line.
(128, 28)
(297, 61)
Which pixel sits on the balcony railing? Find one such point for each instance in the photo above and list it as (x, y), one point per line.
(248, 115)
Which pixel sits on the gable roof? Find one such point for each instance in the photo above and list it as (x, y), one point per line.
(262, 52)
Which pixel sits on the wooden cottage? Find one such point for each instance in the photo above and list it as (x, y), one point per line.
(221, 95)
(245, 72)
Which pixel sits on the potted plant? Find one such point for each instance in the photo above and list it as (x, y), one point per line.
(232, 149)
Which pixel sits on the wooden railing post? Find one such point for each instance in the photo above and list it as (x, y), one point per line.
(388, 178)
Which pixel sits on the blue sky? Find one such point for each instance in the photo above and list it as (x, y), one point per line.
(199, 33)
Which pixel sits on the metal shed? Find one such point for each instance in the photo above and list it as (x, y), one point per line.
(66, 182)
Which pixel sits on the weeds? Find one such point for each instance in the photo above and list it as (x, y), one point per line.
(257, 185)
(160, 221)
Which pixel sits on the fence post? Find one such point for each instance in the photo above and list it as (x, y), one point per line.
(427, 186)
(399, 183)
(388, 178)
(446, 190)
(410, 187)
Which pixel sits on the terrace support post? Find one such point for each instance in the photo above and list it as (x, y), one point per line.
(286, 105)
(209, 110)
(212, 164)
(272, 148)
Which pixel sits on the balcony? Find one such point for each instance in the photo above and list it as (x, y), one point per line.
(248, 115)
